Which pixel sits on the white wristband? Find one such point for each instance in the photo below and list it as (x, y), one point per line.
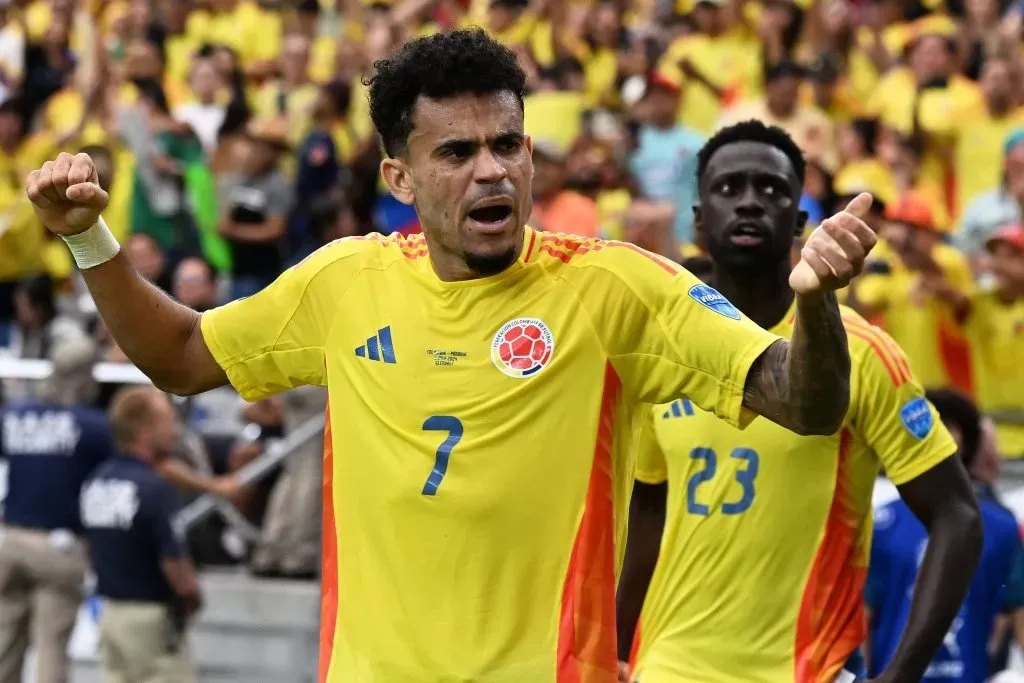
(94, 247)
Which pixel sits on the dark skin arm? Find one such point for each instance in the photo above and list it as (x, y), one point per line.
(804, 384)
(943, 500)
(646, 524)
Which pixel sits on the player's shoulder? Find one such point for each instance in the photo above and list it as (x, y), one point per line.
(616, 260)
(364, 251)
(871, 344)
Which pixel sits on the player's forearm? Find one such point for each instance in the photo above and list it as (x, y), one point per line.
(160, 336)
(954, 546)
(637, 571)
(804, 384)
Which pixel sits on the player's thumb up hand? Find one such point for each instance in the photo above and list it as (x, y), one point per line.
(859, 205)
(835, 251)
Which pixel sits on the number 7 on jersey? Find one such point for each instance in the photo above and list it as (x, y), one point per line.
(441, 423)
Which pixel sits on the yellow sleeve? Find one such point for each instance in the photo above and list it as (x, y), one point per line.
(275, 340)
(874, 290)
(651, 467)
(666, 333)
(891, 413)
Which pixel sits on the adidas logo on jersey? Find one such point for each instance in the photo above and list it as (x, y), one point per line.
(378, 347)
(678, 408)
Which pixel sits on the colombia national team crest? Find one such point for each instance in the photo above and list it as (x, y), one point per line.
(522, 347)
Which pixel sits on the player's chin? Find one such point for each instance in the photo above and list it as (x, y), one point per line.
(745, 258)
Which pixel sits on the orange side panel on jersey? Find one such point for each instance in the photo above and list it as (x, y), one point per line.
(329, 567)
(668, 266)
(956, 357)
(831, 623)
(586, 635)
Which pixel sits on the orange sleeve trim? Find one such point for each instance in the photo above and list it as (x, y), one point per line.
(668, 266)
(895, 364)
(564, 248)
(876, 345)
(529, 249)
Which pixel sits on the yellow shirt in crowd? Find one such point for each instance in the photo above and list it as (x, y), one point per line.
(939, 111)
(923, 326)
(978, 154)
(731, 62)
(995, 329)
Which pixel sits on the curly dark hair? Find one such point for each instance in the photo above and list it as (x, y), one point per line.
(438, 66)
(752, 131)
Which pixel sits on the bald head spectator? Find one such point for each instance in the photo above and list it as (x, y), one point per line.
(51, 443)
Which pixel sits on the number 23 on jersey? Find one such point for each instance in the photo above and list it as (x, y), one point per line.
(745, 475)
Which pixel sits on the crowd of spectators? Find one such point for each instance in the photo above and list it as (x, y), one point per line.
(234, 139)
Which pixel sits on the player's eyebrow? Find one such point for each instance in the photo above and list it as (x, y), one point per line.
(466, 146)
(760, 174)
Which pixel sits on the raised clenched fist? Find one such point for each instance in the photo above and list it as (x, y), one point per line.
(66, 194)
(834, 254)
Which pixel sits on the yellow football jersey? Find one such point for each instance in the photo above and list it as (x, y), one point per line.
(995, 330)
(768, 534)
(481, 437)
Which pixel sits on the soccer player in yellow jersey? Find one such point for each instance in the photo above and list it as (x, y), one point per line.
(484, 381)
(759, 542)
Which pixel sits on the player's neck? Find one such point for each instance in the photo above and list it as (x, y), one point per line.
(452, 267)
(763, 296)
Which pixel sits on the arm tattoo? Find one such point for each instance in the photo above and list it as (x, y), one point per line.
(804, 384)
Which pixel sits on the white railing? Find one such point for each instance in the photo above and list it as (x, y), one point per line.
(104, 373)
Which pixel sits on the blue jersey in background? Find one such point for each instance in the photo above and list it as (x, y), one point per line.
(896, 553)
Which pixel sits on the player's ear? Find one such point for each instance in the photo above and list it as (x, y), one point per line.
(801, 223)
(398, 179)
(529, 150)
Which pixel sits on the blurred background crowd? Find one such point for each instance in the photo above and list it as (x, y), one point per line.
(234, 138)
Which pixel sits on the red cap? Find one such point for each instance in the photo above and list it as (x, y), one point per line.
(912, 210)
(1011, 234)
